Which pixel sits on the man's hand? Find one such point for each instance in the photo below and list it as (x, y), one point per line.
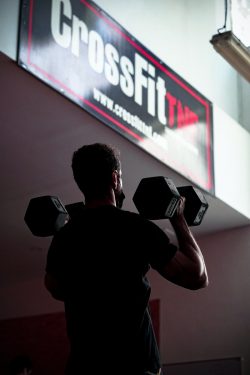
(187, 268)
(179, 212)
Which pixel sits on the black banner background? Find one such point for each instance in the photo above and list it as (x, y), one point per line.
(83, 53)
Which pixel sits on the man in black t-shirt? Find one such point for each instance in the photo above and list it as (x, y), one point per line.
(98, 263)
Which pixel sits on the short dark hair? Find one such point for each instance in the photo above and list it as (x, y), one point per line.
(93, 166)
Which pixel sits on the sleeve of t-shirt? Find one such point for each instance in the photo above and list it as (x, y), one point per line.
(160, 249)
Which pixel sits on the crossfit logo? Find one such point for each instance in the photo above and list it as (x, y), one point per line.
(104, 58)
(136, 78)
(78, 49)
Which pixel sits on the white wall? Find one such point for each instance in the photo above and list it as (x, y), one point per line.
(9, 19)
(231, 155)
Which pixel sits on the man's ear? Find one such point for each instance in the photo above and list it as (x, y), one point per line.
(114, 179)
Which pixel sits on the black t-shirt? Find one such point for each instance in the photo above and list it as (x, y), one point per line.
(101, 258)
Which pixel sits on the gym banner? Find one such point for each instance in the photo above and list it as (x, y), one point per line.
(83, 53)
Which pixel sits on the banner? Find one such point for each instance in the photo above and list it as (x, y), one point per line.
(79, 50)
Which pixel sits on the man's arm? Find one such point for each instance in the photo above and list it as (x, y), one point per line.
(187, 268)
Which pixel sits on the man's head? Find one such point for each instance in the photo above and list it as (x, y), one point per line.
(97, 169)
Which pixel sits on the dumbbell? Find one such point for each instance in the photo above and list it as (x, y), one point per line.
(157, 198)
(45, 215)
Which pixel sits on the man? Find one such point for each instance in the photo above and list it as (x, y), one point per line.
(97, 265)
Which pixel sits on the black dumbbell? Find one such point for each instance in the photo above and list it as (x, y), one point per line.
(45, 215)
(157, 198)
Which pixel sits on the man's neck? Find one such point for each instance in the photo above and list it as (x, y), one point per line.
(109, 200)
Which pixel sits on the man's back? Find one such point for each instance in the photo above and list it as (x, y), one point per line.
(101, 258)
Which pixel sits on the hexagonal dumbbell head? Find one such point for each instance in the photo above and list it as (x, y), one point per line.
(156, 198)
(45, 215)
(195, 205)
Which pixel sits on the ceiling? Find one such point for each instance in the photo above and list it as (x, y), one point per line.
(39, 131)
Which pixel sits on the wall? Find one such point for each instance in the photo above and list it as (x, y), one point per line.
(231, 155)
(9, 16)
